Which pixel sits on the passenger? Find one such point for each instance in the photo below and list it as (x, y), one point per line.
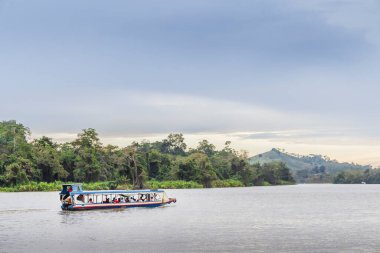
(107, 200)
(90, 201)
(126, 200)
(119, 200)
(69, 189)
(80, 198)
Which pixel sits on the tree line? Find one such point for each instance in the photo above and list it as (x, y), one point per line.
(86, 159)
(368, 176)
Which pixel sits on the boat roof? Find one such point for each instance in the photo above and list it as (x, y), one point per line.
(115, 192)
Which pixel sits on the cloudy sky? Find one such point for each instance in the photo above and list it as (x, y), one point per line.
(294, 74)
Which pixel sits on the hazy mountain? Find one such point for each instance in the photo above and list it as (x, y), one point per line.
(310, 163)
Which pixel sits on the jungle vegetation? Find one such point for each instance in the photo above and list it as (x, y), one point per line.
(162, 164)
(369, 176)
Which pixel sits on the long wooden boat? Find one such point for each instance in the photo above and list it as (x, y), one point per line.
(74, 198)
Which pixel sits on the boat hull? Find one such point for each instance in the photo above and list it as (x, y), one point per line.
(81, 207)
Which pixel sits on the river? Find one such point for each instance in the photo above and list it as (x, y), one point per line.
(300, 218)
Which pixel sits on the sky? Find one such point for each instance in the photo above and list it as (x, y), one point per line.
(299, 75)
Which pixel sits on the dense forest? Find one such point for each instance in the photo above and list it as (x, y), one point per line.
(140, 165)
(370, 176)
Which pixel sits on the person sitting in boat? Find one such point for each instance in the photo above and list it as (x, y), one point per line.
(90, 201)
(80, 197)
(142, 198)
(69, 189)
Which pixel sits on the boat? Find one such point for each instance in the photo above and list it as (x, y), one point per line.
(74, 198)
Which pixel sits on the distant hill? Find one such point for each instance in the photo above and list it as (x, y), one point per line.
(306, 166)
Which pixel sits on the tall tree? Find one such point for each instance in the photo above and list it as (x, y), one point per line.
(46, 157)
(136, 166)
(174, 144)
(205, 147)
(88, 164)
(197, 167)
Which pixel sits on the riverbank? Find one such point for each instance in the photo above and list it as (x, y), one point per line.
(152, 184)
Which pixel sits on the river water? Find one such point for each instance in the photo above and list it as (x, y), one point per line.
(301, 218)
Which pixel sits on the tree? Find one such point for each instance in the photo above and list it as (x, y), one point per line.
(86, 159)
(241, 168)
(112, 160)
(221, 162)
(197, 167)
(46, 158)
(13, 138)
(67, 157)
(174, 144)
(205, 147)
(88, 166)
(154, 163)
(227, 148)
(283, 172)
(20, 171)
(135, 166)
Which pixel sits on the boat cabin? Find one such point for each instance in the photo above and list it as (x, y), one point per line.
(73, 197)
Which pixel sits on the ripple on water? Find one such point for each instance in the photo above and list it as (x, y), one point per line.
(312, 218)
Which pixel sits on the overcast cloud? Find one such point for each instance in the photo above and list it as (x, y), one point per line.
(302, 75)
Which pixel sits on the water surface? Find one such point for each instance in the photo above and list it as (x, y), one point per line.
(301, 218)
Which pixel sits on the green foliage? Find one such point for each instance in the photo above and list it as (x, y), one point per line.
(34, 186)
(307, 169)
(262, 183)
(369, 176)
(174, 144)
(205, 147)
(20, 171)
(177, 184)
(227, 183)
(42, 164)
(242, 169)
(197, 167)
(274, 173)
(46, 158)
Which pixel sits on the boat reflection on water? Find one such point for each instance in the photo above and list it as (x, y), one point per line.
(74, 198)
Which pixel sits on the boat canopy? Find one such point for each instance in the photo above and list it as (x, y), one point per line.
(77, 189)
(105, 192)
